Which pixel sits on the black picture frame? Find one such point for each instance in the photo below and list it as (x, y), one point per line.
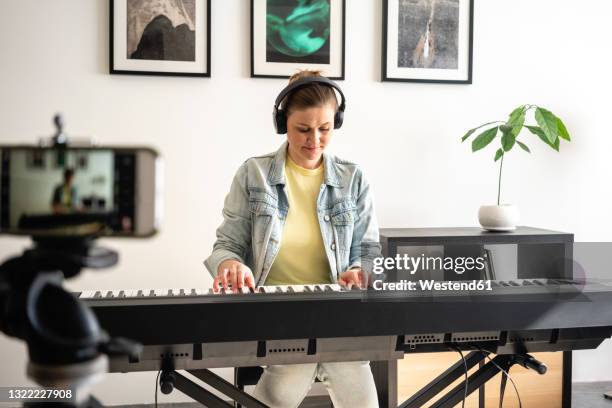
(385, 77)
(292, 69)
(113, 69)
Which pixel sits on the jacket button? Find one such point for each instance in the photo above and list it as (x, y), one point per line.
(326, 218)
(333, 246)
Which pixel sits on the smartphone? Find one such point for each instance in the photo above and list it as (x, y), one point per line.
(102, 191)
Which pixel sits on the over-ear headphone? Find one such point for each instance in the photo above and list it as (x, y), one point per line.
(280, 115)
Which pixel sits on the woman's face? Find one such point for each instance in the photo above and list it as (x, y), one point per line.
(308, 132)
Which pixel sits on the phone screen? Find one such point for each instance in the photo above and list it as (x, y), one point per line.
(74, 191)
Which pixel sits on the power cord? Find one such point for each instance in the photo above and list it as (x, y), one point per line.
(156, 384)
(465, 390)
(486, 353)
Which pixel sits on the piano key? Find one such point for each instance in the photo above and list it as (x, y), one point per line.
(261, 289)
(335, 287)
(109, 294)
(290, 289)
(98, 294)
(192, 292)
(202, 292)
(87, 294)
(140, 293)
(169, 292)
(121, 294)
(278, 289)
(182, 292)
(160, 292)
(514, 283)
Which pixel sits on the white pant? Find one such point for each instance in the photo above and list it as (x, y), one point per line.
(350, 384)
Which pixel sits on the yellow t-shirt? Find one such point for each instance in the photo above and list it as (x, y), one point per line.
(301, 258)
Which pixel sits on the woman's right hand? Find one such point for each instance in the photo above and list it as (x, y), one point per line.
(234, 273)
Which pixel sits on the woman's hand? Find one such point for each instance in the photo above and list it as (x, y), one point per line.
(353, 277)
(234, 273)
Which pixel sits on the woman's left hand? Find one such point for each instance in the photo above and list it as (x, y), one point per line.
(353, 277)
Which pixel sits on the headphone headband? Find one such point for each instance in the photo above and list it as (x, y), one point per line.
(280, 116)
(303, 82)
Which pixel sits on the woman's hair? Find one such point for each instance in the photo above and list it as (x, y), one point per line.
(313, 95)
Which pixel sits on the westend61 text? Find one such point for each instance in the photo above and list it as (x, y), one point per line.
(432, 285)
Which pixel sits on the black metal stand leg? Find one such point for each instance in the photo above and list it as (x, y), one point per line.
(203, 396)
(227, 388)
(475, 381)
(442, 381)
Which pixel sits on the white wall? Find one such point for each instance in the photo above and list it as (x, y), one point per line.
(54, 57)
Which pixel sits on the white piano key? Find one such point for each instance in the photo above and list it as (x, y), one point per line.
(130, 293)
(161, 292)
(298, 288)
(87, 294)
(201, 292)
(335, 287)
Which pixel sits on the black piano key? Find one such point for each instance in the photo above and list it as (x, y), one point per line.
(251, 290)
(139, 293)
(182, 292)
(98, 294)
(327, 288)
(121, 293)
(152, 292)
(514, 283)
(290, 289)
(495, 284)
(170, 292)
(307, 289)
(278, 289)
(192, 293)
(317, 288)
(527, 282)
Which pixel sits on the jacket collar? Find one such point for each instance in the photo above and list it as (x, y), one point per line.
(276, 175)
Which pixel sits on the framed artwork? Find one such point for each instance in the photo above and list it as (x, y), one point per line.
(427, 41)
(161, 37)
(289, 35)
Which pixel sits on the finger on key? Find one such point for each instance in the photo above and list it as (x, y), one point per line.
(239, 278)
(249, 281)
(224, 278)
(234, 277)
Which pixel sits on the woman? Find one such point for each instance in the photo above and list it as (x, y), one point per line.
(301, 216)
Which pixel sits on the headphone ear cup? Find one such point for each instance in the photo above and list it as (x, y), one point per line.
(338, 119)
(280, 121)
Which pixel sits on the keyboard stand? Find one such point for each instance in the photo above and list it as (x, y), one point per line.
(475, 380)
(170, 379)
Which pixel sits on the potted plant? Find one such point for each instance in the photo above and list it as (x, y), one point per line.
(550, 129)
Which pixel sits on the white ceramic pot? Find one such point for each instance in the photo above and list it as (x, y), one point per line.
(498, 217)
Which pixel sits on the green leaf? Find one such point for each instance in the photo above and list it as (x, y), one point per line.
(548, 123)
(563, 133)
(484, 139)
(498, 154)
(515, 114)
(471, 131)
(507, 139)
(523, 146)
(517, 120)
(540, 133)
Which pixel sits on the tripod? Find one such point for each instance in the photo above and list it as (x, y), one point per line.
(66, 346)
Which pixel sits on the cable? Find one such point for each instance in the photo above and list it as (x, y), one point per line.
(486, 353)
(465, 390)
(156, 383)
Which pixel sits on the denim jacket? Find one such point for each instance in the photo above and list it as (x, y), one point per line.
(256, 208)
